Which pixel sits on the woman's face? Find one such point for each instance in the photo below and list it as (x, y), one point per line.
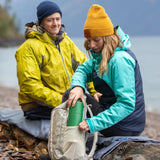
(96, 43)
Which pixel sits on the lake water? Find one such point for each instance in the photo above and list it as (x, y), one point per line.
(145, 48)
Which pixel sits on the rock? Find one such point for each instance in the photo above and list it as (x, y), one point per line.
(135, 151)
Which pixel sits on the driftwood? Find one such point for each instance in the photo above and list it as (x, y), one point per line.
(17, 144)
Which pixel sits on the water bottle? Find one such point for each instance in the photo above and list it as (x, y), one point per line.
(75, 114)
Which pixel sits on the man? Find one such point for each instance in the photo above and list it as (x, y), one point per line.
(46, 62)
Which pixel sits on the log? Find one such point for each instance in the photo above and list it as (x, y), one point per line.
(15, 143)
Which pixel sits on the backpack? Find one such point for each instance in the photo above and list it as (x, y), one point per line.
(65, 142)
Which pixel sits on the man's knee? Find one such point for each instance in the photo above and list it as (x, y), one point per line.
(65, 95)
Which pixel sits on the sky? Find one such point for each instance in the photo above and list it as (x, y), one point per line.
(138, 17)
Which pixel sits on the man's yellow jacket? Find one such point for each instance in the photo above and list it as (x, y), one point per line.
(45, 68)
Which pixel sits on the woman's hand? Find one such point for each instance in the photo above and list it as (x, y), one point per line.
(74, 95)
(97, 95)
(84, 126)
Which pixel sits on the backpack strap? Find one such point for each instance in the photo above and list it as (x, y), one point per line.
(95, 139)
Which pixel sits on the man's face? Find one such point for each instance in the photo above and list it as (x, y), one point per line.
(52, 23)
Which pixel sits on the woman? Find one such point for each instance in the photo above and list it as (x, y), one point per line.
(115, 72)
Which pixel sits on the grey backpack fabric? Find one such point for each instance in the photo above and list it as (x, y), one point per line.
(66, 143)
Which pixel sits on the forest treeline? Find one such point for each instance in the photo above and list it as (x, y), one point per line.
(8, 28)
(9, 31)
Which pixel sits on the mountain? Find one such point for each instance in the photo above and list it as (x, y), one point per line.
(137, 18)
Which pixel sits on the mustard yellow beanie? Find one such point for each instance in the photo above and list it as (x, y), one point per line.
(98, 23)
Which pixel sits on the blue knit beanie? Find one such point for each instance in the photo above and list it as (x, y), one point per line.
(47, 8)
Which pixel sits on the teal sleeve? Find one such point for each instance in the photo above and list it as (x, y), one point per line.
(120, 78)
(83, 74)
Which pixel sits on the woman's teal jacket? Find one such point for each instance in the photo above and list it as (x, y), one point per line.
(124, 79)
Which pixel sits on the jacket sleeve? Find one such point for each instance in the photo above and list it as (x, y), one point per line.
(29, 78)
(122, 82)
(83, 75)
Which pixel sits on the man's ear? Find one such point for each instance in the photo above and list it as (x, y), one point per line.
(41, 25)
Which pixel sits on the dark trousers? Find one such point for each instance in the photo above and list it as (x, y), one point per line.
(42, 112)
(96, 108)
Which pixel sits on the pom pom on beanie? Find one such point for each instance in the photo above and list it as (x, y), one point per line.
(47, 8)
(98, 23)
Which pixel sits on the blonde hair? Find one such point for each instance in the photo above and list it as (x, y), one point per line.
(110, 44)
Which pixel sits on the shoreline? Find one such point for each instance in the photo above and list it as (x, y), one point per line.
(9, 99)
(11, 42)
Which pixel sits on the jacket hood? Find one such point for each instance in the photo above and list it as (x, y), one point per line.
(124, 38)
(35, 31)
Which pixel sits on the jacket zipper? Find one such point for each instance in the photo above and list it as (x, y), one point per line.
(58, 47)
